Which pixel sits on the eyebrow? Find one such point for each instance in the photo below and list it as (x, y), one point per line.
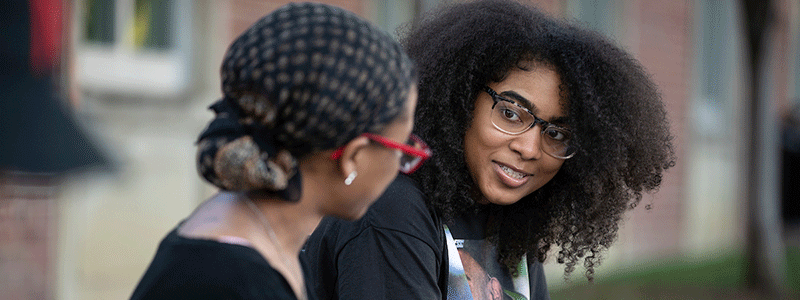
(519, 99)
(529, 105)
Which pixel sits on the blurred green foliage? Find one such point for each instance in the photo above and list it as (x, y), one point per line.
(717, 277)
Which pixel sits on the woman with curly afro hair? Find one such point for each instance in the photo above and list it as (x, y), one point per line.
(544, 134)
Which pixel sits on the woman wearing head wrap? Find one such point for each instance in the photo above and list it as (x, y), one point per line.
(545, 134)
(317, 111)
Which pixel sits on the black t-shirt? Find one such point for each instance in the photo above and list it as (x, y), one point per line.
(188, 268)
(396, 251)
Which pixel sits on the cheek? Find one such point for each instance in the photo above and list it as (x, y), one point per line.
(548, 170)
(552, 166)
(381, 174)
(479, 144)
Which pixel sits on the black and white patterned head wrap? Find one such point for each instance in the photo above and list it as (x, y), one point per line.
(303, 78)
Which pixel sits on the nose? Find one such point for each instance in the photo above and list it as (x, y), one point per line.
(529, 143)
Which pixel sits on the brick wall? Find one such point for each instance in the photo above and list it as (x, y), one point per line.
(554, 7)
(660, 33)
(27, 215)
(245, 12)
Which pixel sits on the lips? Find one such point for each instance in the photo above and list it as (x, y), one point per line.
(512, 173)
(511, 176)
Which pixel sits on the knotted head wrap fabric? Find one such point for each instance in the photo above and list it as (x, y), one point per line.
(304, 78)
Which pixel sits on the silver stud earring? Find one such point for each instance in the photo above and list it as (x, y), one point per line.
(350, 178)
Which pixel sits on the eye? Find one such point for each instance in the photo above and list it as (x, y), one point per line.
(556, 134)
(509, 114)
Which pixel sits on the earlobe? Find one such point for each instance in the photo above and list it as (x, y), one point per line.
(350, 178)
(348, 162)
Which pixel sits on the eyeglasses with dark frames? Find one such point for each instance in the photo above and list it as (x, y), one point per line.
(511, 118)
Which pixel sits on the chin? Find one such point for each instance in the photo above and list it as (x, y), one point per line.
(503, 201)
(503, 196)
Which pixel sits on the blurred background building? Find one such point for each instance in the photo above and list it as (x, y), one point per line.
(137, 76)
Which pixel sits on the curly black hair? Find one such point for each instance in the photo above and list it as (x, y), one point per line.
(620, 126)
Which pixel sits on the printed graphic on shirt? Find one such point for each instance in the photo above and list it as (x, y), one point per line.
(476, 274)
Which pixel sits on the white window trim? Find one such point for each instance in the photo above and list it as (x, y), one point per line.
(121, 69)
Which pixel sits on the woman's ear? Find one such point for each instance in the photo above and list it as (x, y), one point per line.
(347, 162)
(495, 289)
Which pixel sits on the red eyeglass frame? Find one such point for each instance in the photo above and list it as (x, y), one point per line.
(423, 153)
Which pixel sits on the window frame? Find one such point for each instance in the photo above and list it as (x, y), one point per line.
(120, 67)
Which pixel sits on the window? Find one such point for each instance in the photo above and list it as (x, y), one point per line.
(716, 69)
(601, 15)
(99, 21)
(134, 47)
(389, 15)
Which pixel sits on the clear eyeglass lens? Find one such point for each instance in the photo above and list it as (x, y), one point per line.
(558, 149)
(512, 119)
(408, 161)
(556, 136)
(557, 141)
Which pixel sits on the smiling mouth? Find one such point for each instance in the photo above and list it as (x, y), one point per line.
(513, 174)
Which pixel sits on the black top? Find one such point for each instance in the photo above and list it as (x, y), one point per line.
(187, 268)
(396, 251)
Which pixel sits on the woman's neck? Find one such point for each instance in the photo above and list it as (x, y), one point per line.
(291, 222)
(285, 226)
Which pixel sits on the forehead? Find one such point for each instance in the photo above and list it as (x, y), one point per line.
(537, 88)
